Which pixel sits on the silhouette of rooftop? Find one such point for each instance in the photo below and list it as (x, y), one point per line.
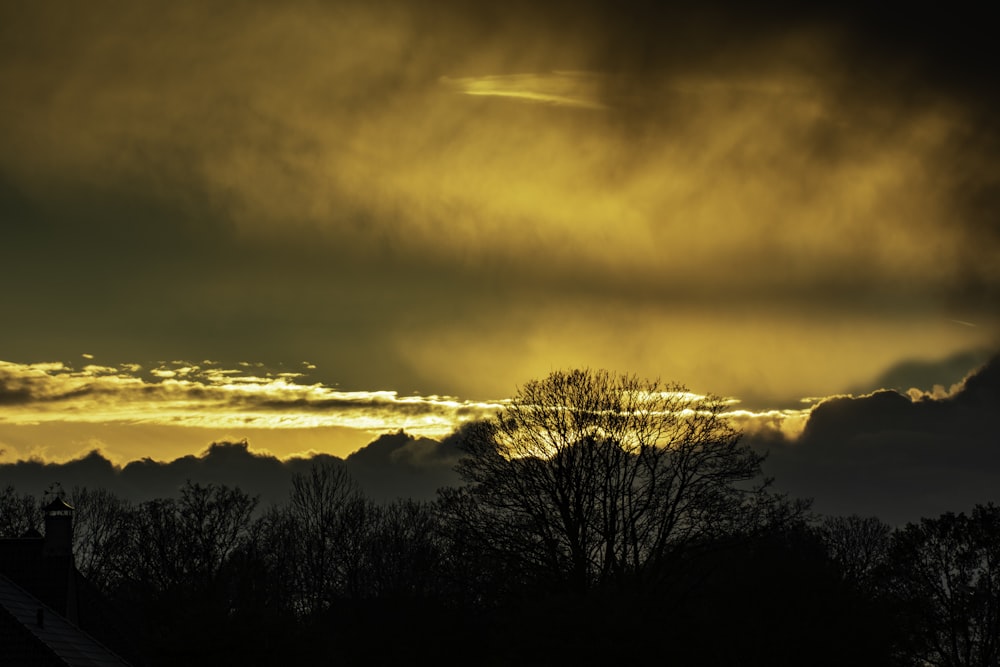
(35, 634)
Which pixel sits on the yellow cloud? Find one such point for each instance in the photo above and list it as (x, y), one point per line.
(750, 223)
(338, 121)
(216, 398)
(572, 89)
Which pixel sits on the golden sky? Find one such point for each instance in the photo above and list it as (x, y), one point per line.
(379, 216)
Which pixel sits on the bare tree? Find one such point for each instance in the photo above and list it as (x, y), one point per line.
(19, 513)
(859, 545)
(594, 477)
(270, 557)
(945, 575)
(215, 521)
(329, 518)
(185, 542)
(102, 525)
(403, 551)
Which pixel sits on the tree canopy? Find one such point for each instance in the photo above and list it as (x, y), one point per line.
(592, 478)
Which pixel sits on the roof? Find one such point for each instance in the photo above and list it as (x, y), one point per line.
(47, 577)
(69, 643)
(58, 505)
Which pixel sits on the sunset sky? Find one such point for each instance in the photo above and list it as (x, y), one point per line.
(310, 223)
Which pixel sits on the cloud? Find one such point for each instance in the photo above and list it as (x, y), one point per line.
(899, 456)
(333, 120)
(573, 89)
(233, 464)
(380, 469)
(398, 466)
(183, 394)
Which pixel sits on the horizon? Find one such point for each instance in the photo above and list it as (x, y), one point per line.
(181, 400)
(844, 454)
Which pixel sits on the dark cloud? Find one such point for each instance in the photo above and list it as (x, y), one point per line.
(399, 465)
(34, 476)
(14, 395)
(232, 464)
(392, 466)
(897, 456)
(225, 463)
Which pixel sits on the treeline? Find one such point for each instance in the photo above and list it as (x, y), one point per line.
(208, 578)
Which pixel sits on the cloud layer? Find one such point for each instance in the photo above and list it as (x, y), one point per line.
(455, 198)
(392, 466)
(207, 396)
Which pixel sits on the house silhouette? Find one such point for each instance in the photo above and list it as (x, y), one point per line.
(49, 613)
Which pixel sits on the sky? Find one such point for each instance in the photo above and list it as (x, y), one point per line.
(310, 224)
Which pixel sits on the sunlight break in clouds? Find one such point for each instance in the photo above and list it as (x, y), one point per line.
(57, 399)
(182, 394)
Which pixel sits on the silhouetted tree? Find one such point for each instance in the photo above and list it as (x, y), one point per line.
(329, 516)
(102, 529)
(273, 550)
(403, 552)
(776, 598)
(593, 478)
(179, 580)
(945, 575)
(859, 545)
(19, 513)
(186, 541)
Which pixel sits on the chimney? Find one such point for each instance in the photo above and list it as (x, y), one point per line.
(58, 528)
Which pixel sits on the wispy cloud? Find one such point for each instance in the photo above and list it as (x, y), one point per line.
(572, 89)
(205, 394)
(252, 398)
